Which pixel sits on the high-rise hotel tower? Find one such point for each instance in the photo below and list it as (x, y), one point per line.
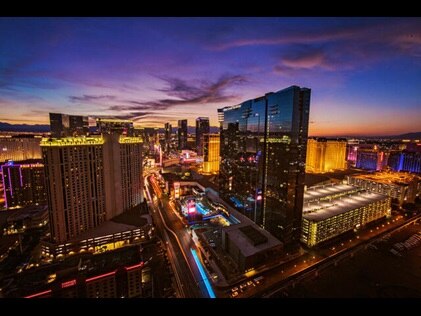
(90, 180)
(263, 154)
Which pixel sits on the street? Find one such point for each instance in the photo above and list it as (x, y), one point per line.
(189, 279)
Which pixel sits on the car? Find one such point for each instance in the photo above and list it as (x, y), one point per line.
(258, 279)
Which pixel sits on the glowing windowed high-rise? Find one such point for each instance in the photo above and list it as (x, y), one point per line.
(263, 153)
(182, 134)
(325, 155)
(167, 137)
(211, 153)
(19, 147)
(202, 128)
(64, 125)
(23, 184)
(90, 180)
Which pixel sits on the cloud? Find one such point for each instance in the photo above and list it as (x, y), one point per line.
(90, 98)
(128, 116)
(298, 35)
(185, 93)
(301, 58)
(205, 92)
(331, 44)
(307, 60)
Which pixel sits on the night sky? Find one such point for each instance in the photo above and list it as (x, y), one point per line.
(365, 73)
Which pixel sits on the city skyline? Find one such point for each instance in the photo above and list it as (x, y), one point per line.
(363, 71)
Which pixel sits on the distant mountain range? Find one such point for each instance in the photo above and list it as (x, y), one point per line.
(37, 128)
(416, 135)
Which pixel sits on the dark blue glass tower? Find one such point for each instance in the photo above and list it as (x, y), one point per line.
(263, 154)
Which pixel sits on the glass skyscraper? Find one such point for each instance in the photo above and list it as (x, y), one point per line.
(182, 134)
(263, 154)
(202, 127)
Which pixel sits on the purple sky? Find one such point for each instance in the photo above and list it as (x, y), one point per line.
(365, 73)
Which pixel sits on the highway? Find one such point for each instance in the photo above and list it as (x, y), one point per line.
(191, 282)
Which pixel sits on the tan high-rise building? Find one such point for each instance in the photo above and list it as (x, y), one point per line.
(325, 155)
(210, 153)
(90, 180)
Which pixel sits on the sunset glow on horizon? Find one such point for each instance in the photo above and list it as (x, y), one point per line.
(364, 73)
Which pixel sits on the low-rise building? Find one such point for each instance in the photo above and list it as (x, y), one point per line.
(330, 211)
(249, 245)
(108, 275)
(31, 217)
(128, 228)
(401, 186)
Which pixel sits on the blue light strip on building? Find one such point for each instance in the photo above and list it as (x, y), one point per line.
(201, 209)
(203, 274)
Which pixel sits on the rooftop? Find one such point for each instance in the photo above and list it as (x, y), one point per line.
(389, 177)
(27, 212)
(250, 238)
(72, 141)
(320, 192)
(83, 265)
(254, 236)
(130, 140)
(113, 120)
(29, 163)
(106, 228)
(80, 141)
(318, 211)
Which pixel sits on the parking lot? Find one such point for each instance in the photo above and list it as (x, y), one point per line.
(376, 272)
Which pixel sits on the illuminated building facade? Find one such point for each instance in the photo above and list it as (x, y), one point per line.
(325, 155)
(101, 276)
(371, 159)
(168, 135)
(150, 136)
(351, 156)
(106, 125)
(332, 210)
(90, 180)
(64, 125)
(182, 134)
(202, 127)
(405, 161)
(400, 186)
(263, 154)
(18, 148)
(23, 184)
(211, 148)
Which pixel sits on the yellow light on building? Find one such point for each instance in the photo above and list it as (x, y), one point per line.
(210, 153)
(324, 155)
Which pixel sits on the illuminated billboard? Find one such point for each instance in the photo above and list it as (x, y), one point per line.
(191, 206)
(177, 190)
